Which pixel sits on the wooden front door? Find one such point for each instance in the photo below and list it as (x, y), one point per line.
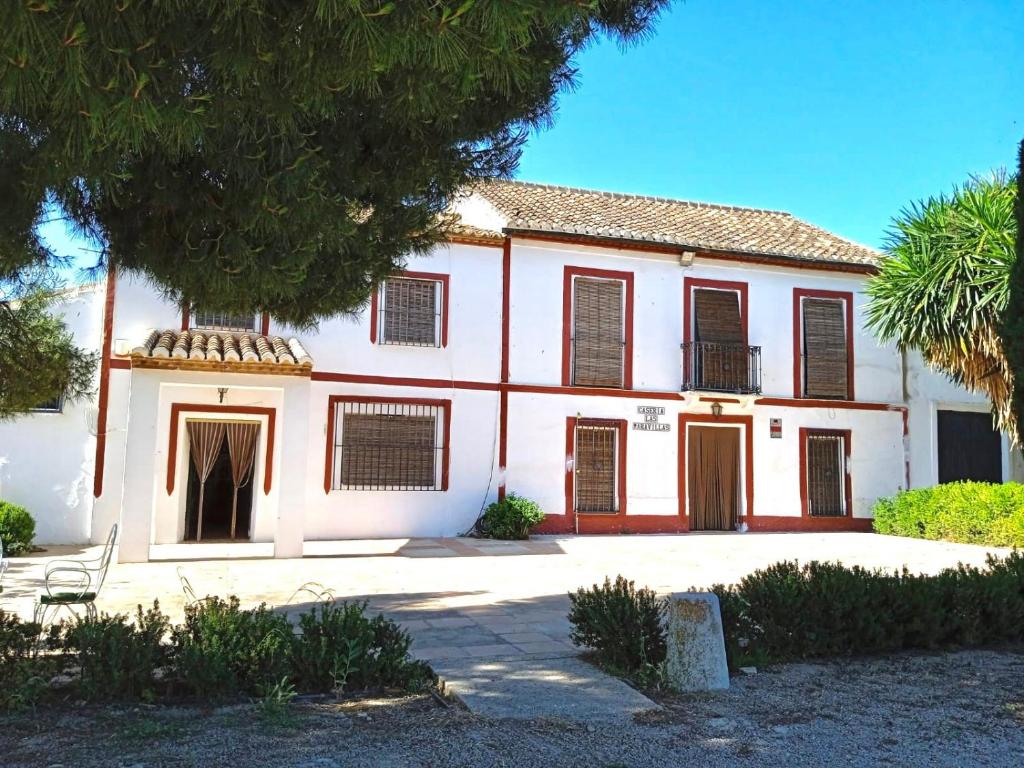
(713, 473)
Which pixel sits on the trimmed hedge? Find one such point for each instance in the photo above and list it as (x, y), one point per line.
(788, 612)
(972, 513)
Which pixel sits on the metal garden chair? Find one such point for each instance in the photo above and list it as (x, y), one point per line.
(74, 583)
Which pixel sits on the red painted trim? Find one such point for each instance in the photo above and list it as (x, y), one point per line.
(506, 306)
(685, 419)
(677, 250)
(605, 274)
(606, 524)
(691, 283)
(502, 442)
(805, 432)
(334, 400)
(843, 405)
(265, 324)
(178, 408)
(120, 362)
(788, 523)
(571, 423)
(439, 277)
(399, 381)
(104, 388)
(804, 293)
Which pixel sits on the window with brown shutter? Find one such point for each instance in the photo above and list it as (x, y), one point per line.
(596, 468)
(826, 473)
(720, 356)
(222, 321)
(388, 446)
(825, 363)
(410, 312)
(598, 342)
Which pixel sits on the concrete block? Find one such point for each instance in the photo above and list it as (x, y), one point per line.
(696, 644)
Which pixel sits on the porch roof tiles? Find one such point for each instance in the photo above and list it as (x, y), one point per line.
(222, 350)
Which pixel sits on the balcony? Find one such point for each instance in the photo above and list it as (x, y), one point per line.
(710, 367)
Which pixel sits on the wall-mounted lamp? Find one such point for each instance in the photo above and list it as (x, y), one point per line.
(716, 409)
(686, 258)
(222, 391)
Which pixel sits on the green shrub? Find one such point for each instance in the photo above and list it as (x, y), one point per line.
(340, 647)
(788, 612)
(623, 624)
(222, 650)
(17, 528)
(23, 674)
(973, 513)
(117, 658)
(511, 518)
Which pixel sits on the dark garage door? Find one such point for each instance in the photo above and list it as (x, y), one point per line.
(969, 448)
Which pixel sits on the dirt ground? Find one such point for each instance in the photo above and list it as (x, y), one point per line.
(953, 709)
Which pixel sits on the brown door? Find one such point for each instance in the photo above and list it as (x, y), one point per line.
(713, 470)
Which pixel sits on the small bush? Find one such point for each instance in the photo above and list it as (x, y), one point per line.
(511, 518)
(788, 611)
(222, 650)
(17, 528)
(623, 624)
(23, 674)
(972, 513)
(340, 648)
(117, 658)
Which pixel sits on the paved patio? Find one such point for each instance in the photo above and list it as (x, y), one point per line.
(470, 598)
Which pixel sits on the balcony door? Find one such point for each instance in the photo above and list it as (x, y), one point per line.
(720, 354)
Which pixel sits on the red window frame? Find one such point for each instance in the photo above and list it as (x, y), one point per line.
(439, 277)
(799, 294)
(692, 283)
(334, 400)
(845, 434)
(571, 423)
(568, 274)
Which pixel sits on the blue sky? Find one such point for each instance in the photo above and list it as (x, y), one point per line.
(840, 113)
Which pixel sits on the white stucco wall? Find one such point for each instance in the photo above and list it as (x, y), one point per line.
(46, 459)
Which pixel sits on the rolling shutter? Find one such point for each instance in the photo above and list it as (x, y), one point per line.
(389, 450)
(826, 475)
(825, 358)
(598, 337)
(596, 469)
(717, 316)
(410, 312)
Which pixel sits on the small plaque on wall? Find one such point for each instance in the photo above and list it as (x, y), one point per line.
(775, 427)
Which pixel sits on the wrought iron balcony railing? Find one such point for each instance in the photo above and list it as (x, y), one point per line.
(711, 367)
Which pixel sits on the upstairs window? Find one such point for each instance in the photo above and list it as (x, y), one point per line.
(410, 312)
(826, 482)
(825, 350)
(56, 405)
(222, 321)
(598, 332)
(390, 446)
(719, 359)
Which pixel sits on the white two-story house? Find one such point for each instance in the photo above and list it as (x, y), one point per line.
(633, 364)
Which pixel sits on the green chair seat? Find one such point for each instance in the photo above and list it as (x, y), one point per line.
(61, 598)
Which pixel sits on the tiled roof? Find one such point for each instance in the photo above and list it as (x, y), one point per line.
(221, 349)
(690, 225)
(465, 231)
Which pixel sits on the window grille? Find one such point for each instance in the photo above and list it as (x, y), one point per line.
(223, 321)
(388, 446)
(56, 405)
(825, 353)
(598, 342)
(596, 466)
(410, 312)
(826, 474)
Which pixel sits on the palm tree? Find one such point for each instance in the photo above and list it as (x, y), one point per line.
(944, 284)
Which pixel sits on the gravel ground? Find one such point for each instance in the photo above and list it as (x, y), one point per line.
(910, 710)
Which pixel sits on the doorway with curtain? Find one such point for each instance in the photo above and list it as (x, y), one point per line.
(713, 475)
(221, 466)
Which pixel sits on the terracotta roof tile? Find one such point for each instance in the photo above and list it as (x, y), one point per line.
(223, 347)
(697, 226)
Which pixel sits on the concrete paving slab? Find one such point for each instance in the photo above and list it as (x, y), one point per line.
(566, 688)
